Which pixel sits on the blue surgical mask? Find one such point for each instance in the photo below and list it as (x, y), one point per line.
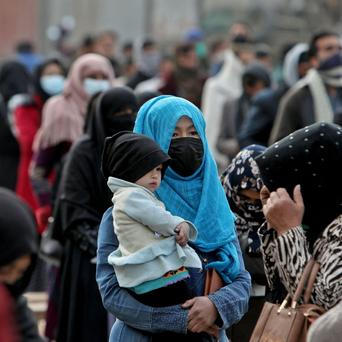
(52, 84)
(92, 86)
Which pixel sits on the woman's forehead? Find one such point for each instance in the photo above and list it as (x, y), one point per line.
(184, 122)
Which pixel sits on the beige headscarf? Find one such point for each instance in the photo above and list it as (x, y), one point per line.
(63, 115)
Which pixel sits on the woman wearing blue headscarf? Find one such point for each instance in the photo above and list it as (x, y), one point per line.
(192, 190)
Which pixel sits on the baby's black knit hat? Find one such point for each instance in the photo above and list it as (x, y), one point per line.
(129, 156)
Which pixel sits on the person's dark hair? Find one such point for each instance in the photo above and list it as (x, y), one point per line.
(240, 39)
(255, 73)
(148, 43)
(285, 48)
(39, 72)
(183, 49)
(144, 96)
(127, 46)
(87, 41)
(317, 36)
(25, 47)
(303, 57)
(242, 43)
(262, 50)
(250, 80)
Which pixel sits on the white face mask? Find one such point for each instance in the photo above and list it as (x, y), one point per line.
(92, 86)
(52, 84)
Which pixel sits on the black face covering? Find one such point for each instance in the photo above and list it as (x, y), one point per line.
(118, 123)
(186, 154)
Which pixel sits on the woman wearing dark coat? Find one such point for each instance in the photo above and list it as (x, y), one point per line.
(18, 248)
(84, 198)
(14, 79)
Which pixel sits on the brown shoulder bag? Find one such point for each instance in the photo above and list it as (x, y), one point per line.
(283, 323)
(213, 281)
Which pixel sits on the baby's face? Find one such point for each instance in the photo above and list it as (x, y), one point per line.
(152, 179)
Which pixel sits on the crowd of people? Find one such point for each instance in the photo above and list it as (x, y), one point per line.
(128, 179)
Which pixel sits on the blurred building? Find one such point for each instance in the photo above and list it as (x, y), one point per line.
(273, 21)
(19, 20)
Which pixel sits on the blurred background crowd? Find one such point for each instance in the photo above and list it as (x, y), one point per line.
(256, 69)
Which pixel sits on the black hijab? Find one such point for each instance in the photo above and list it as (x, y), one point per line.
(311, 157)
(109, 113)
(14, 79)
(18, 235)
(39, 72)
(84, 194)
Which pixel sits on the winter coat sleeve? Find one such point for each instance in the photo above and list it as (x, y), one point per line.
(120, 303)
(140, 207)
(256, 127)
(231, 301)
(41, 169)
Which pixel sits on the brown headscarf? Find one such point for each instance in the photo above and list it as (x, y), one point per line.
(64, 115)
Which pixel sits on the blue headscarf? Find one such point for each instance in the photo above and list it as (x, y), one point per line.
(198, 198)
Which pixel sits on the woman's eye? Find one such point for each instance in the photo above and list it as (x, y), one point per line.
(174, 135)
(194, 133)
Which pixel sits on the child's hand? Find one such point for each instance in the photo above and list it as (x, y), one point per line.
(182, 233)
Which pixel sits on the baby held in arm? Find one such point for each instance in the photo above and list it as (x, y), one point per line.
(153, 256)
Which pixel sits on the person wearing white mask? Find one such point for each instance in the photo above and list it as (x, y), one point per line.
(26, 116)
(51, 78)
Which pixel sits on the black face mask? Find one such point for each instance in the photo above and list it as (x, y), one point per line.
(186, 154)
(115, 124)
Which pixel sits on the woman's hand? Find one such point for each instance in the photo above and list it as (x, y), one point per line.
(281, 212)
(182, 233)
(202, 315)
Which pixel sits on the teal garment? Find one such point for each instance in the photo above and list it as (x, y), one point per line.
(151, 262)
(198, 198)
(164, 281)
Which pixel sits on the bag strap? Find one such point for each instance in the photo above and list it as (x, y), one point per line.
(302, 282)
(310, 283)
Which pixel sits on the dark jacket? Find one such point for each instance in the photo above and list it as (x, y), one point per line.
(84, 197)
(18, 237)
(256, 128)
(297, 111)
(9, 152)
